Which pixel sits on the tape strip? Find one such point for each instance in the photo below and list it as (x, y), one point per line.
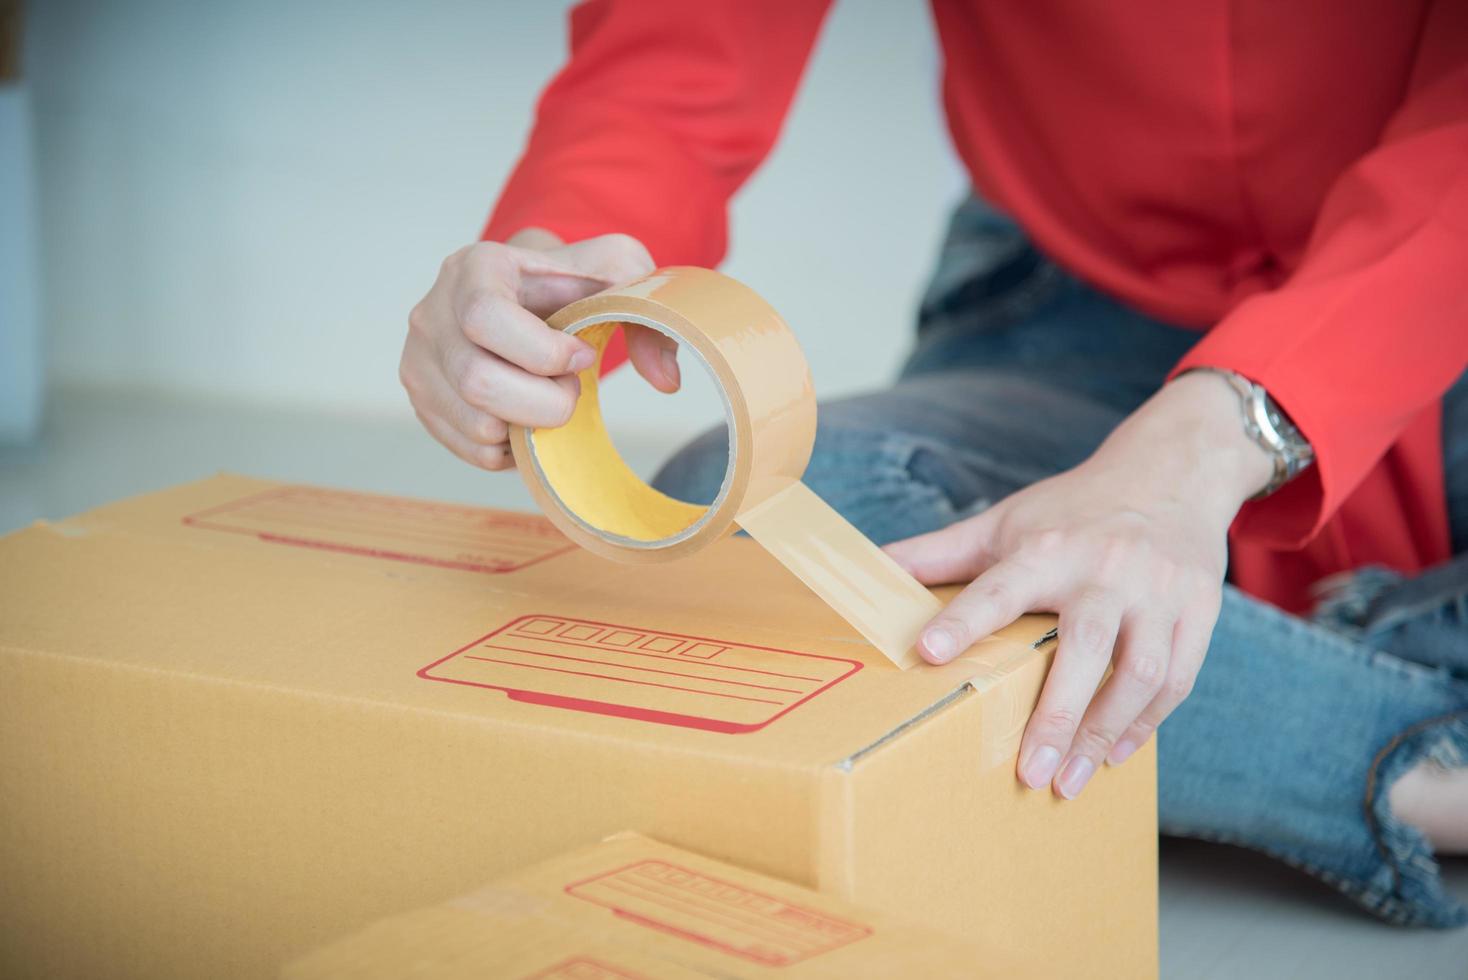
(586, 488)
(854, 576)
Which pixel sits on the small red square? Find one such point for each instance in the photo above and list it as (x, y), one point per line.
(703, 651)
(540, 627)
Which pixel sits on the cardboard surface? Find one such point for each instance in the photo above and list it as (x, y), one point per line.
(633, 907)
(238, 719)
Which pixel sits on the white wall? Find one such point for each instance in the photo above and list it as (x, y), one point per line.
(246, 199)
(21, 367)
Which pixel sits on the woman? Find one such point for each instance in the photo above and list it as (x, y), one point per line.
(1229, 336)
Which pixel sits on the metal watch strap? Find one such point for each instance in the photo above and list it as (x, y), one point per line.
(1267, 424)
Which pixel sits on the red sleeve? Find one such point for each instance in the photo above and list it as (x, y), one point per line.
(663, 110)
(1372, 328)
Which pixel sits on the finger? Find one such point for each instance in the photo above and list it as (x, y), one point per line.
(504, 390)
(611, 258)
(1142, 653)
(956, 553)
(655, 356)
(541, 281)
(553, 278)
(540, 239)
(1087, 632)
(497, 457)
(992, 601)
(1189, 646)
(491, 318)
(438, 397)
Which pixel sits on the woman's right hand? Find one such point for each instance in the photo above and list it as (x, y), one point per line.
(479, 355)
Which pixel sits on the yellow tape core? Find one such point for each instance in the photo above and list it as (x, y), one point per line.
(593, 482)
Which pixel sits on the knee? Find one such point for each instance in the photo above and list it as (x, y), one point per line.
(890, 483)
(890, 478)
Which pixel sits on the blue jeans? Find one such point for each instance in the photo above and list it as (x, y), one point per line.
(1296, 727)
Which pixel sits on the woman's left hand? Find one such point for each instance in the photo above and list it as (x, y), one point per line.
(1130, 549)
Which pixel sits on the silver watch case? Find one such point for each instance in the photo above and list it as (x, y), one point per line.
(1267, 424)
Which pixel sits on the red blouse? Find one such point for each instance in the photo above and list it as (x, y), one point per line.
(1289, 178)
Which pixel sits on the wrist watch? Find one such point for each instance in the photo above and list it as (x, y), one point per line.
(1267, 424)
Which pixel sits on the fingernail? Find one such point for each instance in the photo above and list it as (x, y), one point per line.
(940, 644)
(1121, 752)
(670, 366)
(582, 359)
(1040, 768)
(1075, 777)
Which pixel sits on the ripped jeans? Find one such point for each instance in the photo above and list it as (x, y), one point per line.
(1296, 728)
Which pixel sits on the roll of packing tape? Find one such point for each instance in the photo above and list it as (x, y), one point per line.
(591, 494)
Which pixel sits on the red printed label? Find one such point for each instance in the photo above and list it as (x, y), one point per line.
(718, 914)
(446, 535)
(649, 675)
(584, 968)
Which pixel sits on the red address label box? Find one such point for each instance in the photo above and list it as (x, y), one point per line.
(639, 673)
(718, 914)
(469, 539)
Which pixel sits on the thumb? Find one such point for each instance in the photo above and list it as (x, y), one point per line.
(654, 355)
(957, 553)
(566, 273)
(546, 282)
(552, 278)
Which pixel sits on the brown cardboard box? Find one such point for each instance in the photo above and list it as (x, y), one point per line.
(632, 907)
(238, 719)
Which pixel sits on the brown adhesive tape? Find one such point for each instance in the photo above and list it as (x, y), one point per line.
(582, 483)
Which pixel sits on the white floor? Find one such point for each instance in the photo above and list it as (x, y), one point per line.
(1225, 913)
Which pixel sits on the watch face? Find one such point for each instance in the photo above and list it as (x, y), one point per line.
(1294, 445)
(1277, 418)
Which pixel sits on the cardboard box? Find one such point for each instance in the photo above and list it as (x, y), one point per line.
(632, 907)
(238, 719)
